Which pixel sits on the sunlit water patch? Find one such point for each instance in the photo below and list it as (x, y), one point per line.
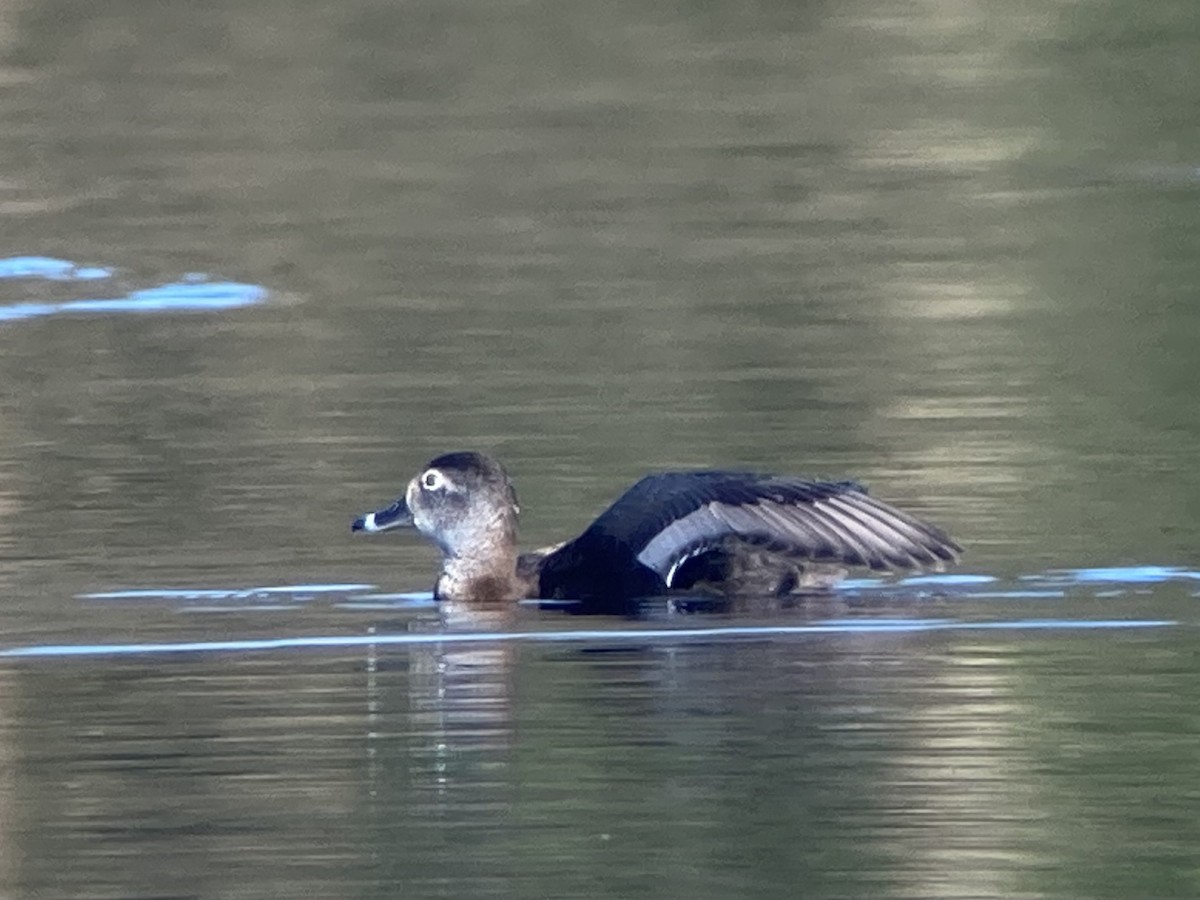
(192, 293)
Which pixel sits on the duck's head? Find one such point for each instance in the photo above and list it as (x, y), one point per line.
(463, 502)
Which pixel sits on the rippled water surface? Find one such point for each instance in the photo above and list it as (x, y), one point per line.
(257, 264)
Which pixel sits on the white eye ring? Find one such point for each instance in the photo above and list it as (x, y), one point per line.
(433, 480)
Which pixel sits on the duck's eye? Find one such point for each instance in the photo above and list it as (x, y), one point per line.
(433, 480)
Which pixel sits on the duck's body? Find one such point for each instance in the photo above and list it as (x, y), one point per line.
(738, 532)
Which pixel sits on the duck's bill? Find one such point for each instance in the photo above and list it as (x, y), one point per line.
(395, 516)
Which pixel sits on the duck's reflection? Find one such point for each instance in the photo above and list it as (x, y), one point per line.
(441, 714)
(447, 722)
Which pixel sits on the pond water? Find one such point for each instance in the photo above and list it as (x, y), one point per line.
(258, 265)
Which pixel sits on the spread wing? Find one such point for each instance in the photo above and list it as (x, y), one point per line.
(666, 519)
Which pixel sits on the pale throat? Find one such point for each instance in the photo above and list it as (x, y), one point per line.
(488, 552)
(502, 563)
(482, 578)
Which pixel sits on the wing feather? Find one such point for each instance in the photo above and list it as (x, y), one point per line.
(821, 521)
(926, 543)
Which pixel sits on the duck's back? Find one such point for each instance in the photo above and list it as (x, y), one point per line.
(648, 540)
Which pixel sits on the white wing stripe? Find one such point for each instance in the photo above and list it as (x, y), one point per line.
(695, 528)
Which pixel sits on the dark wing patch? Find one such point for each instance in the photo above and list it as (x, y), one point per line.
(667, 519)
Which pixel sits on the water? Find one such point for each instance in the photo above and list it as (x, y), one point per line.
(259, 266)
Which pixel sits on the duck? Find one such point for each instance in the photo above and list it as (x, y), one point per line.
(731, 532)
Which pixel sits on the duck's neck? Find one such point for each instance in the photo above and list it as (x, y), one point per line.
(476, 580)
(487, 571)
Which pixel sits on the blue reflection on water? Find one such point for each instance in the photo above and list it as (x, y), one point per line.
(947, 580)
(1122, 574)
(1048, 585)
(363, 597)
(50, 269)
(609, 636)
(299, 592)
(192, 293)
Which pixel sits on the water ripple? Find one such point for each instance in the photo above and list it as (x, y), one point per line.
(195, 292)
(50, 269)
(573, 636)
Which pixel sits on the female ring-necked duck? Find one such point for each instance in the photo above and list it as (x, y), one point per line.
(741, 532)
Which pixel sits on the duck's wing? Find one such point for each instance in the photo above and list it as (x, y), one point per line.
(666, 519)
